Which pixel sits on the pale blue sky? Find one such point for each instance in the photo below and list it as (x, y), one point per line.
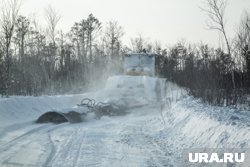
(165, 20)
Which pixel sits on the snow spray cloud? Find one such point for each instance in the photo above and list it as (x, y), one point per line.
(217, 157)
(98, 74)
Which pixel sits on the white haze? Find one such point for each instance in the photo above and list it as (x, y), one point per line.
(167, 21)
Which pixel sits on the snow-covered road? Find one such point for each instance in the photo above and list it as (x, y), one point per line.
(147, 136)
(116, 141)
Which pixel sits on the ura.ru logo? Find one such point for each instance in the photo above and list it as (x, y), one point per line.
(215, 157)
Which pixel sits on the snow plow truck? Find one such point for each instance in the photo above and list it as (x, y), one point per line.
(137, 86)
(139, 78)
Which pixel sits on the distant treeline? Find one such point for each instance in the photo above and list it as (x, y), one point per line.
(207, 73)
(36, 61)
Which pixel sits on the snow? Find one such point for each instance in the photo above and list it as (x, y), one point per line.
(140, 87)
(21, 109)
(151, 135)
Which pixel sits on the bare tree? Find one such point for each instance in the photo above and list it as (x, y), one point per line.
(93, 25)
(138, 43)
(216, 13)
(243, 33)
(9, 13)
(75, 35)
(243, 39)
(79, 34)
(22, 28)
(113, 33)
(52, 18)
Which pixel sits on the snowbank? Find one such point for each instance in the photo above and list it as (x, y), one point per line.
(21, 109)
(208, 126)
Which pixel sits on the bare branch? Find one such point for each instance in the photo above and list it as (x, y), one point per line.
(215, 10)
(52, 19)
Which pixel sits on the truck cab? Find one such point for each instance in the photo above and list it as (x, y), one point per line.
(139, 64)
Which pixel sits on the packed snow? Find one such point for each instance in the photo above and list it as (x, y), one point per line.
(152, 135)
